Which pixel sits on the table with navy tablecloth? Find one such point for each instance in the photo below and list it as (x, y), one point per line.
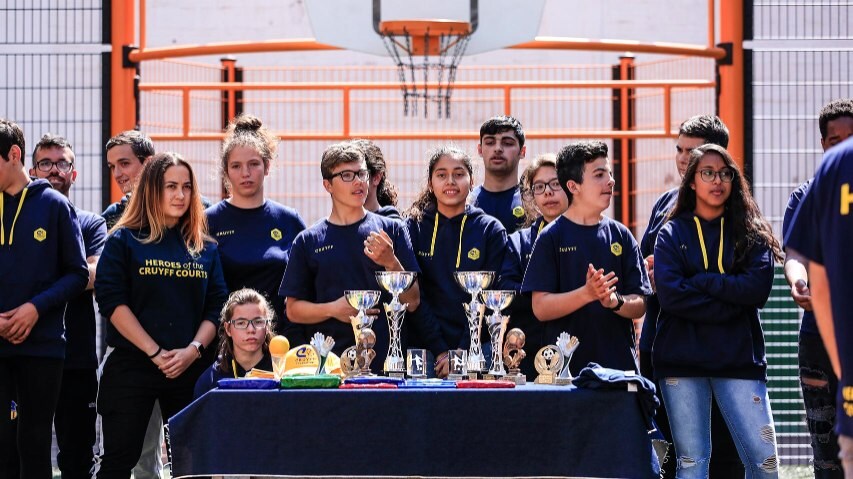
(529, 431)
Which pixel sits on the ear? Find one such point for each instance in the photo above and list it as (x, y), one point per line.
(375, 180)
(480, 148)
(266, 168)
(522, 151)
(33, 172)
(693, 185)
(15, 154)
(228, 330)
(327, 185)
(573, 186)
(824, 144)
(73, 176)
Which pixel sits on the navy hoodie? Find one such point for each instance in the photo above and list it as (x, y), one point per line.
(170, 291)
(709, 325)
(445, 245)
(505, 205)
(660, 211)
(41, 262)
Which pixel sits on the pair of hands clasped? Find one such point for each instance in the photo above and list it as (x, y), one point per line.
(17, 324)
(602, 287)
(173, 363)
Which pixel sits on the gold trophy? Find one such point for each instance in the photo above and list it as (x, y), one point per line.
(362, 327)
(548, 362)
(473, 282)
(396, 283)
(497, 301)
(349, 363)
(513, 352)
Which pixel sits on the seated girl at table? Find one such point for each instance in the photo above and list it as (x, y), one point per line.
(245, 330)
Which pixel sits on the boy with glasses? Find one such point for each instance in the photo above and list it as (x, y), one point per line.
(343, 252)
(53, 160)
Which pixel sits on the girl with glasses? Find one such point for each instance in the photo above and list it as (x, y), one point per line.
(449, 235)
(254, 233)
(160, 283)
(245, 331)
(544, 200)
(714, 270)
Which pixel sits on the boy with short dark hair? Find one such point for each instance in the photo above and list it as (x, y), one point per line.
(586, 273)
(126, 154)
(343, 252)
(501, 147)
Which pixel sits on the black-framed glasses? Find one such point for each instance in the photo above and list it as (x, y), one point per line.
(726, 175)
(62, 166)
(257, 323)
(539, 188)
(349, 176)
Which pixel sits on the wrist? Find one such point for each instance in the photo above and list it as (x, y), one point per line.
(155, 353)
(619, 301)
(198, 347)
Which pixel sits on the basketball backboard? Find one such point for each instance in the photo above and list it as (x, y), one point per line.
(349, 24)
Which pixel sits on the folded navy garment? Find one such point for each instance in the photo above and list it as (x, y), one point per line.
(594, 376)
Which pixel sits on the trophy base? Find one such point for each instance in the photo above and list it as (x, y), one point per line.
(457, 377)
(545, 379)
(419, 376)
(473, 375)
(492, 377)
(518, 379)
(563, 381)
(396, 374)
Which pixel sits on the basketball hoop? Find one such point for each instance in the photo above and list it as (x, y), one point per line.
(426, 51)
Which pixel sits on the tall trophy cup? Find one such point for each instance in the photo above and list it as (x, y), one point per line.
(473, 282)
(568, 345)
(395, 282)
(497, 301)
(513, 351)
(362, 327)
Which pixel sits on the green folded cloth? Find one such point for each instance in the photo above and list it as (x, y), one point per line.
(312, 381)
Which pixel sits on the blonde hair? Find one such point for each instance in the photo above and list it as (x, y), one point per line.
(145, 209)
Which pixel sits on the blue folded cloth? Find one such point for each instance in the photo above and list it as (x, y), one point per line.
(594, 376)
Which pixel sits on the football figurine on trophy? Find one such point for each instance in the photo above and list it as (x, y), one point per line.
(473, 282)
(513, 352)
(457, 361)
(349, 363)
(362, 327)
(497, 301)
(568, 345)
(396, 283)
(548, 362)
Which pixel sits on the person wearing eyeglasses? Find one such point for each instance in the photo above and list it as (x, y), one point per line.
(160, 283)
(254, 233)
(450, 235)
(245, 331)
(74, 420)
(714, 271)
(42, 268)
(544, 201)
(343, 252)
(693, 132)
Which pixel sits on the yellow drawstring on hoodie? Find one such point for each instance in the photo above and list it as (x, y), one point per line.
(435, 233)
(702, 244)
(14, 220)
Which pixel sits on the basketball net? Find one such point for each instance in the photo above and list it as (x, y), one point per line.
(441, 50)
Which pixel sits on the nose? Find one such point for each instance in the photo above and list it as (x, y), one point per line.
(611, 181)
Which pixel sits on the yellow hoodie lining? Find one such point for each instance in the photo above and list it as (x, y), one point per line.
(702, 244)
(14, 220)
(458, 248)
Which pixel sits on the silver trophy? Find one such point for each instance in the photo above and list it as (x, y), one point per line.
(396, 283)
(473, 282)
(568, 345)
(362, 327)
(497, 300)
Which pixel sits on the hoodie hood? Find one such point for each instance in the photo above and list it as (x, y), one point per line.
(34, 188)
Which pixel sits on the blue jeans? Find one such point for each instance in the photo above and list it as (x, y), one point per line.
(746, 409)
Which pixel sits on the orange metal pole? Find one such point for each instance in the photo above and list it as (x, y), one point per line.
(122, 102)
(712, 27)
(608, 45)
(185, 110)
(731, 77)
(230, 66)
(667, 110)
(142, 28)
(346, 108)
(625, 63)
(507, 101)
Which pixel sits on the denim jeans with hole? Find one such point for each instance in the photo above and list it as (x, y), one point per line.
(746, 409)
(819, 401)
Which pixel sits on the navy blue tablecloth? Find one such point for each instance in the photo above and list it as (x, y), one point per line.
(529, 431)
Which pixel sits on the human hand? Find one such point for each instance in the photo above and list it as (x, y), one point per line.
(19, 323)
(599, 285)
(650, 268)
(341, 310)
(379, 247)
(442, 365)
(802, 295)
(177, 361)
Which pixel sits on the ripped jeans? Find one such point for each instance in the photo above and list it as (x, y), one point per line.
(820, 387)
(745, 407)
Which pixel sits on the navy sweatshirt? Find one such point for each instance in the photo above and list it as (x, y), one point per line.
(506, 206)
(519, 249)
(708, 324)
(41, 262)
(809, 323)
(389, 211)
(328, 259)
(660, 211)
(170, 291)
(254, 245)
(80, 314)
(559, 264)
(478, 245)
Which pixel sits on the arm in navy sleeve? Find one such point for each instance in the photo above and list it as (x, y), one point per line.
(217, 290)
(75, 271)
(112, 280)
(512, 275)
(675, 292)
(749, 288)
(496, 248)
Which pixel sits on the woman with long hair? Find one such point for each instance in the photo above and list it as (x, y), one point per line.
(382, 196)
(255, 234)
(245, 331)
(160, 283)
(714, 271)
(450, 235)
(544, 201)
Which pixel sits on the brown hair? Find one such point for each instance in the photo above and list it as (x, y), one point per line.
(247, 131)
(526, 185)
(226, 343)
(426, 199)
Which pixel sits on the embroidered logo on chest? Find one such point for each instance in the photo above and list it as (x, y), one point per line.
(40, 235)
(518, 211)
(474, 254)
(616, 249)
(275, 234)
